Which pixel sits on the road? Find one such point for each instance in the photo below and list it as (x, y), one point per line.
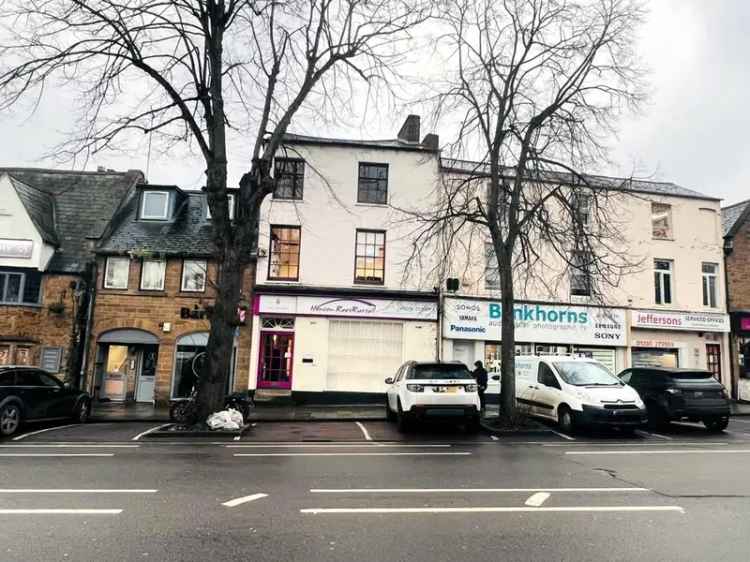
(345, 491)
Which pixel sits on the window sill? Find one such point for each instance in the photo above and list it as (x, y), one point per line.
(373, 205)
(663, 239)
(369, 283)
(283, 281)
(287, 200)
(22, 304)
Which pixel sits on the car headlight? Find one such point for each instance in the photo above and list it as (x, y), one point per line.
(415, 387)
(471, 388)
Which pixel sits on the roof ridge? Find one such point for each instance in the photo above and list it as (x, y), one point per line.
(745, 202)
(10, 169)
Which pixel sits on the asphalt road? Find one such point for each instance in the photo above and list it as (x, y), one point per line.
(345, 491)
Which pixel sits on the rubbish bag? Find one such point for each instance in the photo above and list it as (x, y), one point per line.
(236, 416)
(222, 420)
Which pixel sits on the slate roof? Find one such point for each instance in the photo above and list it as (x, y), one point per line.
(730, 216)
(603, 182)
(188, 233)
(68, 207)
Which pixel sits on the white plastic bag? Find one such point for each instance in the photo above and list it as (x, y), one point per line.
(236, 416)
(222, 420)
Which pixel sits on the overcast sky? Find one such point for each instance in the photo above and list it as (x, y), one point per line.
(693, 132)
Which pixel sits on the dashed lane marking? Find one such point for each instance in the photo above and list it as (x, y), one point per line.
(354, 454)
(25, 435)
(245, 499)
(60, 511)
(57, 454)
(466, 490)
(364, 430)
(664, 452)
(72, 491)
(333, 446)
(68, 446)
(537, 499)
(606, 444)
(395, 510)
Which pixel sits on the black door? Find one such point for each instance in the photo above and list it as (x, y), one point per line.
(36, 395)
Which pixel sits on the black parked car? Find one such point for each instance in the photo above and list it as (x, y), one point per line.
(677, 394)
(31, 394)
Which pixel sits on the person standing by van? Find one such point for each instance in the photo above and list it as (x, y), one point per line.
(480, 375)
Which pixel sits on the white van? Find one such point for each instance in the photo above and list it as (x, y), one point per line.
(574, 391)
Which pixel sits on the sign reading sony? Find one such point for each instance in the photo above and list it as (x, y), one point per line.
(543, 323)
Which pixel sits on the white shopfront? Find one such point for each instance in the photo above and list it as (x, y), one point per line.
(680, 339)
(471, 330)
(338, 343)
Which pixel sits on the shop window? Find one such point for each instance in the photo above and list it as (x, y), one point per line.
(709, 272)
(290, 178)
(152, 275)
(663, 281)
(372, 186)
(661, 221)
(491, 267)
(116, 273)
(155, 205)
(193, 276)
(230, 207)
(277, 324)
(580, 274)
(189, 362)
(20, 286)
(369, 260)
(283, 264)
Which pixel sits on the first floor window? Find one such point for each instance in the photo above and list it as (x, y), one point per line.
(663, 281)
(20, 286)
(116, 273)
(290, 178)
(580, 274)
(372, 186)
(152, 275)
(369, 261)
(710, 272)
(194, 276)
(491, 267)
(283, 263)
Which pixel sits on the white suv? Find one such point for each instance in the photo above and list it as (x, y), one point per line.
(421, 390)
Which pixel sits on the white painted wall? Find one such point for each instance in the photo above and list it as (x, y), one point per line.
(15, 224)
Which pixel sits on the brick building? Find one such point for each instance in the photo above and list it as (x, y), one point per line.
(154, 297)
(50, 221)
(736, 221)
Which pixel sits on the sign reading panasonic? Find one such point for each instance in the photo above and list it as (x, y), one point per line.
(547, 323)
(353, 307)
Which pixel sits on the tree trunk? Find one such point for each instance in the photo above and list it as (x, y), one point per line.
(508, 344)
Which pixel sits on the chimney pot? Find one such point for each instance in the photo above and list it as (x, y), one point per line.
(410, 129)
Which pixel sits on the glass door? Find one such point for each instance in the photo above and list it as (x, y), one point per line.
(276, 360)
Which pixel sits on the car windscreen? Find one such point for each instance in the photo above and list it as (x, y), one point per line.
(440, 372)
(691, 375)
(582, 373)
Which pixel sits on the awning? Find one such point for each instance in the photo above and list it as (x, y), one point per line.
(129, 336)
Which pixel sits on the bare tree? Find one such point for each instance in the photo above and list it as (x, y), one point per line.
(196, 71)
(537, 86)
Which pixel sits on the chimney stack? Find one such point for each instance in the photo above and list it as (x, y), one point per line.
(431, 141)
(410, 130)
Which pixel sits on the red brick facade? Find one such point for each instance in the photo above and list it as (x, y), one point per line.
(738, 269)
(26, 329)
(159, 313)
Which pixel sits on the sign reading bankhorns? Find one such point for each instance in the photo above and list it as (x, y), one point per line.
(696, 321)
(353, 307)
(544, 323)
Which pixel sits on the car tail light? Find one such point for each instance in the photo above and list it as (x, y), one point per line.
(471, 388)
(415, 387)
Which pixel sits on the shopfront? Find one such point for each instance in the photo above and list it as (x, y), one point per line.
(338, 344)
(680, 339)
(741, 346)
(472, 331)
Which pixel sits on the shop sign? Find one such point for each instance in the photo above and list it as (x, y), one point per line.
(745, 324)
(543, 323)
(353, 307)
(693, 321)
(21, 249)
(654, 344)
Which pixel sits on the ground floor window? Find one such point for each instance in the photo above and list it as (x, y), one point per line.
(189, 361)
(16, 354)
(743, 351)
(647, 357)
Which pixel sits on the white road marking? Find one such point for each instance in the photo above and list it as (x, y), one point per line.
(598, 508)
(72, 491)
(605, 444)
(253, 424)
(60, 511)
(537, 499)
(239, 501)
(25, 435)
(664, 452)
(735, 419)
(332, 446)
(465, 490)
(568, 437)
(68, 446)
(237, 438)
(350, 454)
(364, 431)
(494, 438)
(158, 427)
(652, 434)
(57, 454)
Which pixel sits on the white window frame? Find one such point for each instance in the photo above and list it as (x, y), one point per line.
(710, 298)
(163, 273)
(201, 263)
(106, 271)
(230, 203)
(659, 275)
(667, 210)
(165, 213)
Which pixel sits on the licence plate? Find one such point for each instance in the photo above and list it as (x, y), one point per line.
(445, 389)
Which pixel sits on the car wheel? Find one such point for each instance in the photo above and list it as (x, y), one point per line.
(390, 415)
(565, 420)
(82, 411)
(10, 419)
(716, 423)
(403, 419)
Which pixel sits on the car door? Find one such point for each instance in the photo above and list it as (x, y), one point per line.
(391, 392)
(61, 400)
(547, 391)
(35, 394)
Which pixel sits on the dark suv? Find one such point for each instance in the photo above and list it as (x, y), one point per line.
(676, 394)
(31, 394)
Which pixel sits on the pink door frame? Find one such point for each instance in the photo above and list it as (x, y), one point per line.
(261, 383)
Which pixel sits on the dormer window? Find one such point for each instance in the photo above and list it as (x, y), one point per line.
(155, 205)
(230, 203)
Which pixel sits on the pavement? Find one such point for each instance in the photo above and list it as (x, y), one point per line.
(360, 490)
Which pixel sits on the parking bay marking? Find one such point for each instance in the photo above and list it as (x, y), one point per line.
(144, 433)
(245, 499)
(466, 490)
(364, 431)
(25, 435)
(354, 454)
(395, 510)
(537, 499)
